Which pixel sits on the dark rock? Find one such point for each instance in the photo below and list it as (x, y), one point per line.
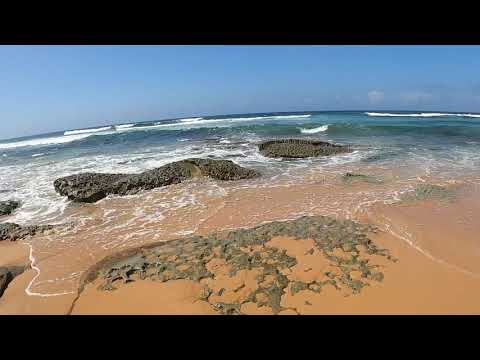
(222, 169)
(187, 258)
(352, 177)
(13, 232)
(7, 275)
(91, 187)
(86, 187)
(298, 148)
(7, 207)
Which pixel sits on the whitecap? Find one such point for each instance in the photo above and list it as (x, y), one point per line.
(124, 126)
(84, 131)
(191, 119)
(43, 141)
(314, 130)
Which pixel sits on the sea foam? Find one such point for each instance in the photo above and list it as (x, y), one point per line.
(86, 131)
(322, 128)
(44, 141)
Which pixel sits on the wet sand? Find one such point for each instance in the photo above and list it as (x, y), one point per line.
(435, 241)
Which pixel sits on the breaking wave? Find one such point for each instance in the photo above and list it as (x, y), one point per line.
(314, 130)
(86, 131)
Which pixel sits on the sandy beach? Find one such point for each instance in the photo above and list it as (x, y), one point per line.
(427, 273)
(239, 180)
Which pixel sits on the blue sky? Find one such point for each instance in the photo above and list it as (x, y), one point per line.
(50, 88)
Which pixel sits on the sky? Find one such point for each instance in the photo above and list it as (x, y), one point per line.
(53, 88)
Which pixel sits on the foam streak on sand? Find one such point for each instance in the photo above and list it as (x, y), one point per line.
(427, 254)
(37, 270)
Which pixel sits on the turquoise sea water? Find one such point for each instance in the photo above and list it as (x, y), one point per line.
(443, 144)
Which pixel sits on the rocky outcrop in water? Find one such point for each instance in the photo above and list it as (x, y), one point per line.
(13, 232)
(7, 207)
(299, 148)
(7, 274)
(91, 187)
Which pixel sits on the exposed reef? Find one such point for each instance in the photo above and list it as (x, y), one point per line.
(13, 232)
(7, 274)
(91, 187)
(299, 148)
(250, 266)
(7, 207)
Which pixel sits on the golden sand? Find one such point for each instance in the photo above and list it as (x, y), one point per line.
(436, 243)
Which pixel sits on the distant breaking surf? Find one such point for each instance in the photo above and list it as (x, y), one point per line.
(44, 141)
(80, 134)
(421, 114)
(86, 131)
(124, 126)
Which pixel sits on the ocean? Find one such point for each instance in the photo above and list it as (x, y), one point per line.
(442, 143)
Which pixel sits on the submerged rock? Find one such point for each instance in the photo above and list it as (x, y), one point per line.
(7, 274)
(430, 191)
(13, 232)
(91, 187)
(352, 177)
(298, 148)
(7, 207)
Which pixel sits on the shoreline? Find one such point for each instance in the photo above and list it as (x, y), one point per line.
(413, 285)
(431, 230)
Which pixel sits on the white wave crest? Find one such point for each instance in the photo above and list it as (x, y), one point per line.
(191, 119)
(291, 116)
(44, 141)
(124, 126)
(200, 121)
(85, 131)
(314, 130)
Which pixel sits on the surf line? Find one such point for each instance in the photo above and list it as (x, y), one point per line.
(427, 254)
(34, 267)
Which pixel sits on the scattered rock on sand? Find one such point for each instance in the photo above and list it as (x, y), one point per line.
(247, 267)
(91, 187)
(299, 148)
(7, 207)
(7, 274)
(13, 232)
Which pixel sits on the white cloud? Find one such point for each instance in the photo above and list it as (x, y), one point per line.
(375, 96)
